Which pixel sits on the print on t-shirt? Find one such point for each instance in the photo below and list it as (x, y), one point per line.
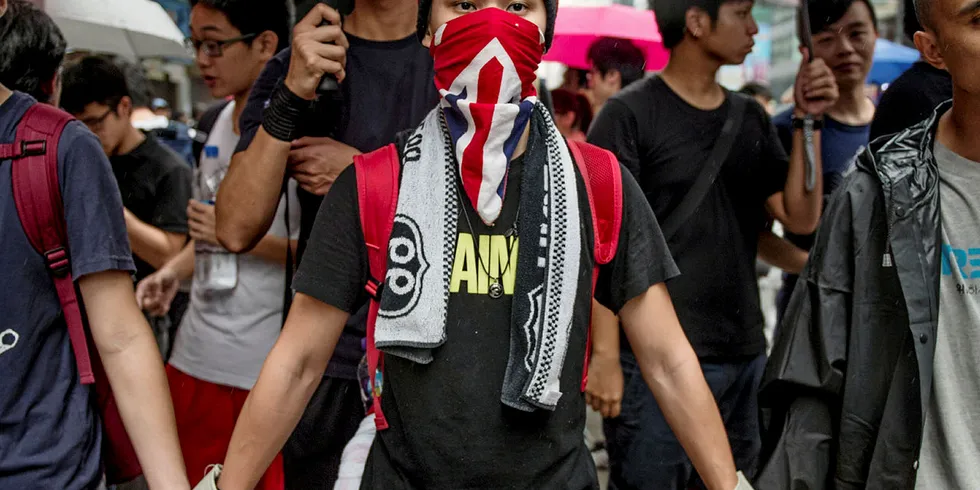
(497, 259)
(964, 265)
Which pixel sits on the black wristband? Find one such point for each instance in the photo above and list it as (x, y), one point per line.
(798, 123)
(282, 118)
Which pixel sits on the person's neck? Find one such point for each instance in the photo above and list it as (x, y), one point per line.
(241, 100)
(958, 128)
(853, 107)
(691, 73)
(133, 138)
(5, 94)
(382, 20)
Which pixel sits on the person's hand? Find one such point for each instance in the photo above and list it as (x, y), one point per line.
(317, 51)
(156, 292)
(316, 163)
(816, 88)
(604, 391)
(200, 218)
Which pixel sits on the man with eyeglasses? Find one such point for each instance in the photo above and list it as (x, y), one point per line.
(154, 181)
(236, 303)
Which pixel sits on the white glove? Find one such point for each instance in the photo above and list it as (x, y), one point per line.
(210, 481)
(743, 483)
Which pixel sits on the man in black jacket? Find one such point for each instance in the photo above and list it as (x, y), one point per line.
(873, 377)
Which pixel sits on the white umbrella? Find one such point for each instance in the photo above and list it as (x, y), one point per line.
(131, 28)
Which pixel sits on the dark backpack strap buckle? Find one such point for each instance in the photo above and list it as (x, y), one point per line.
(374, 288)
(57, 262)
(33, 148)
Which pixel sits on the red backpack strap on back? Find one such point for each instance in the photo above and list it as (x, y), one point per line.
(377, 195)
(604, 184)
(37, 196)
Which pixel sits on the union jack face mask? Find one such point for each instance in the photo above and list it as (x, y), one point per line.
(484, 70)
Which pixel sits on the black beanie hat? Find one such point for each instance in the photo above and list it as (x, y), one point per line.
(425, 6)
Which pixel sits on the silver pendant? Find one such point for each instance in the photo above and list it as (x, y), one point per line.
(496, 290)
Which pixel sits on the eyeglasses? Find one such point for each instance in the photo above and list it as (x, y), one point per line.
(95, 123)
(214, 49)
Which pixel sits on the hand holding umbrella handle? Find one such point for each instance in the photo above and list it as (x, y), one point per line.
(809, 150)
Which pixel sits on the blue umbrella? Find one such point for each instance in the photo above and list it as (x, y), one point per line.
(891, 60)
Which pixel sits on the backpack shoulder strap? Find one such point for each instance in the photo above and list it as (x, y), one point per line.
(37, 196)
(604, 184)
(377, 198)
(205, 125)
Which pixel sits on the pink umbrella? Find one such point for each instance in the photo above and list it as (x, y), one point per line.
(577, 27)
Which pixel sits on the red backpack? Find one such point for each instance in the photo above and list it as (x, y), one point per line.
(37, 196)
(377, 193)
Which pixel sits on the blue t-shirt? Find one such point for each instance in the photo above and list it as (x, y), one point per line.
(49, 433)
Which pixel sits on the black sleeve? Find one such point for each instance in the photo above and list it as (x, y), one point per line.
(334, 268)
(615, 129)
(173, 191)
(774, 157)
(251, 119)
(642, 257)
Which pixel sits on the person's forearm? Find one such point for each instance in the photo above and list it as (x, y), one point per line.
(689, 407)
(273, 249)
(803, 206)
(151, 244)
(288, 379)
(249, 194)
(605, 332)
(779, 252)
(183, 263)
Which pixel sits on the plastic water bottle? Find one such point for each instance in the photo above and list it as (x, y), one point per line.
(215, 269)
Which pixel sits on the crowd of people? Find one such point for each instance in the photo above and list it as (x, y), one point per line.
(389, 258)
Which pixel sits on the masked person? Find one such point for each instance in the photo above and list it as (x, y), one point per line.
(873, 380)
(487, 163)
(50, 430)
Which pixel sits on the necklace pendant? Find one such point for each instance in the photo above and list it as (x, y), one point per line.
(496, 290)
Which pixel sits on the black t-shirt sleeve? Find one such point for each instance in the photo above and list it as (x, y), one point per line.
(251, 119)
(173, 190)
(615, 129)
(642, 257)
(774, 157)
(334, 268)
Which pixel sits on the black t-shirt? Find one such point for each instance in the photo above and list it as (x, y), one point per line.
(448, 427)
(665, 143)
(389, 88)
(911, 99)
(155, 183)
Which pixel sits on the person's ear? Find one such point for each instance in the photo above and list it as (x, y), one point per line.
(928, 45)
(125, 108)
(615, 78)
(3, 7)
(266, 43)
(52, 88)
(696, 22)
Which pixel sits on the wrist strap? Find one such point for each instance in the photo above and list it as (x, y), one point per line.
(281, 119)
(798, 123)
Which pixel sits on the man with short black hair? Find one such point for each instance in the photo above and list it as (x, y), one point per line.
(844, 36)
(51, 435)
(711, 166)
(914, 95)
(616, 63)
(155, 183)
(873, 381)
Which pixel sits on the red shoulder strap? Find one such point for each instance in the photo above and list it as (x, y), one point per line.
(377, 195)
(603, 177)
(37, 196)
(604, 185)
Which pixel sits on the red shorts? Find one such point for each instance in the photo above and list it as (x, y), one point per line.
(206, 415)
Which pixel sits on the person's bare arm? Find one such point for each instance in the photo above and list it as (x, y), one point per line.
(272, 248)
(135, 369)
(797, 208)
(779, 252)
(671, 369)
(604, 391)
(288, 379)
(151, 244)
(249, 194)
